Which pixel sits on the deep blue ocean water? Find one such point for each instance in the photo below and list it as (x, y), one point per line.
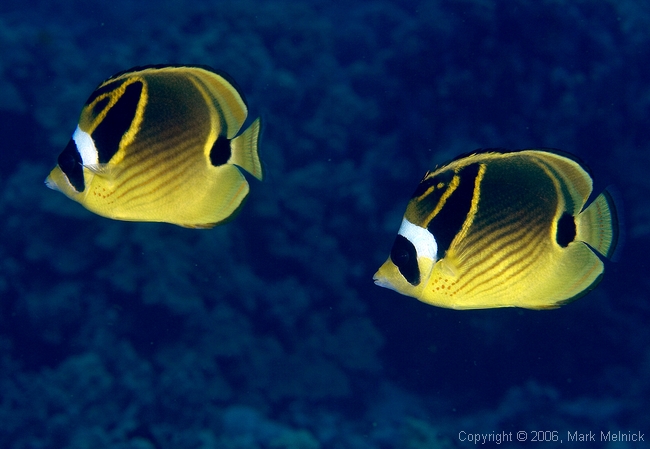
(268, 332)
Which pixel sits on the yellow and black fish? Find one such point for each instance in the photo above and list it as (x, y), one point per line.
(161, 143)
(507, 229)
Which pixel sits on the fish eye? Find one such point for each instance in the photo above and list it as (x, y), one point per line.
(399, 255)
(404, 255)
(71, 165)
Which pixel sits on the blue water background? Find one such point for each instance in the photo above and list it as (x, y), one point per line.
(268, 332)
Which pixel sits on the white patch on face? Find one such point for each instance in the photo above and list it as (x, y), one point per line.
(424, 242)
(86, 147)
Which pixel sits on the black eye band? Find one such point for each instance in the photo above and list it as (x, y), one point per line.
(71, 165)
(405, 257)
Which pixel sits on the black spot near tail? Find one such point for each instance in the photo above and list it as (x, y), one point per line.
(566, 230)
(220, 152)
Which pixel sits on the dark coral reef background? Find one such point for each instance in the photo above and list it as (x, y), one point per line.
(268, 332)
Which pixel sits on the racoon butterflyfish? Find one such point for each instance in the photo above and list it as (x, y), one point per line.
(502, 229)
(161, 143)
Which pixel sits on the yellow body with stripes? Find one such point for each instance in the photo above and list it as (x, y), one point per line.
(161, 143)
(502, 230)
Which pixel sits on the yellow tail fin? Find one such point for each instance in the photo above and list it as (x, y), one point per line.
(597, 225)
(245, 151)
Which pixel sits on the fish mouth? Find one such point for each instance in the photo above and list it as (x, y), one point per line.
(382, 282)
(51, 184)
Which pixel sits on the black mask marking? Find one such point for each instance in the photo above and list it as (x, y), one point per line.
(433, 198)
(70, 163)
(448, 222)
(109, 132)
(99, 107)
(104, 89)
(405, 257)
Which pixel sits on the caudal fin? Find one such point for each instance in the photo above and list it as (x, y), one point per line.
(245, 150)
(597, 225)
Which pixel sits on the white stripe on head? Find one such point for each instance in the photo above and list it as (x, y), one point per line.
(86, 147)
(424, 242)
